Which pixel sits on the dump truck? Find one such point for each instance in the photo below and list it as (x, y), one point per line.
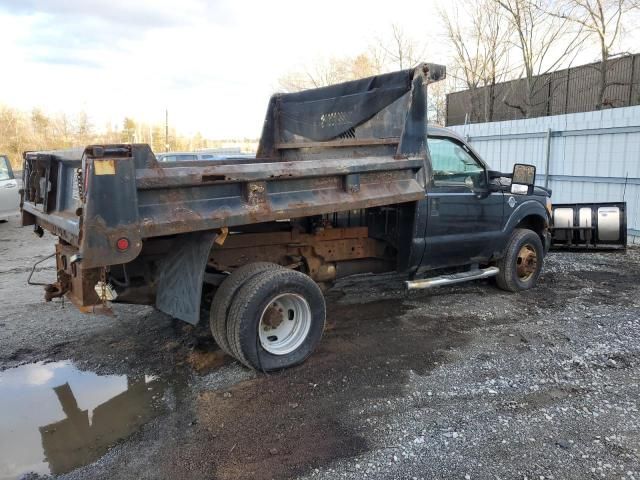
(348, 179)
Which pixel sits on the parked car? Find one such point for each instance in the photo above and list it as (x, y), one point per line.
(196, 156)
(183, 156)
(9, 197)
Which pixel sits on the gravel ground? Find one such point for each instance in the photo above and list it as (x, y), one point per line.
(460, 382)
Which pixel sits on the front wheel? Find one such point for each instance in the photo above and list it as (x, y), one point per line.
(521, 263)
(276, 320)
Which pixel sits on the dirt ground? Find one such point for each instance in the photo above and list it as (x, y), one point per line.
(460, 382)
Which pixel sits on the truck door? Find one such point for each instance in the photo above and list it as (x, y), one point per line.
(465, 219)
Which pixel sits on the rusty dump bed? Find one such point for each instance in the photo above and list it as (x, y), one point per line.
(350, 146)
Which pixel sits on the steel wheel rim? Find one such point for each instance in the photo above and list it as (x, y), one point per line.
(284, 324)
(527, 262)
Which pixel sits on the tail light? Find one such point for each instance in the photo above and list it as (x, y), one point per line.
(122, 244)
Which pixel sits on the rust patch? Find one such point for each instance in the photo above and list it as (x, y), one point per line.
(255, 193)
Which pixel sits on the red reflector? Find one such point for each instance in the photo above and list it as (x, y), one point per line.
(122, 244)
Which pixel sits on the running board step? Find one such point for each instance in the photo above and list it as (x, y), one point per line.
(476, 274)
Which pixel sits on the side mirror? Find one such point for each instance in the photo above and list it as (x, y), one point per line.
(523, 179)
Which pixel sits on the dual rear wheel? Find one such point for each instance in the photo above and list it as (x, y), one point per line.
(268, 317)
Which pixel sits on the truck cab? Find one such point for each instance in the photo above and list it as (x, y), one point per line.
(471, 209)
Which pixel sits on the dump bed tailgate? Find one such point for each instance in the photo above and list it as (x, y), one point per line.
(52, 186)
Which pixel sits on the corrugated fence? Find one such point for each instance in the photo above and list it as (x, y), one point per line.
(588, 157)
(571, 90)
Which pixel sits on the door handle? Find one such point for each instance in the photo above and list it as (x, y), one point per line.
(435, 207)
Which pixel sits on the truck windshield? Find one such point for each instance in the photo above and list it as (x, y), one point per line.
(5, 170)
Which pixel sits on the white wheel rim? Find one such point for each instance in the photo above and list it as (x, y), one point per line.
(284, 324)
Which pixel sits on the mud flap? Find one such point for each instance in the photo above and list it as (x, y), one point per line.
(181, 275)
(589, 225)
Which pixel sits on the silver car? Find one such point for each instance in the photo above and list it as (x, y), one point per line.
(195, 156)
(9, 197)
(185, 156)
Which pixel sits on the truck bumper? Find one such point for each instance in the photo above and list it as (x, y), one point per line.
(74, 281)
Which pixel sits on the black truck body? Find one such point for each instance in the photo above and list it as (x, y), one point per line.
(348, 179)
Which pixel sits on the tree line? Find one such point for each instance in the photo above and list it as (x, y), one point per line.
(35, 130)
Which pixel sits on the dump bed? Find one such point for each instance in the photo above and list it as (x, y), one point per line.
(349, 146)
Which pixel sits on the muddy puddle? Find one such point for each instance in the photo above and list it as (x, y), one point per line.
(56, 418)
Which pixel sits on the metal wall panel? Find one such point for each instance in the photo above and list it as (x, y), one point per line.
(593, 156)
(635, 88)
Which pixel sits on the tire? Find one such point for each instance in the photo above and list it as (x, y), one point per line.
(224, 296)
(522, 261)
(259, 324)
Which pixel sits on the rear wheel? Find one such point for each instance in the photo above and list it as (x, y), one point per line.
(522, 261)
(276, 320)
(224, 296)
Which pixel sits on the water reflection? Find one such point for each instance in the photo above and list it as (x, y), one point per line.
(55, 418)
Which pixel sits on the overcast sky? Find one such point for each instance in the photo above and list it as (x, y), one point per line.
(212, 64)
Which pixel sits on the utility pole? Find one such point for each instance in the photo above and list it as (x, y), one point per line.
(166, 129)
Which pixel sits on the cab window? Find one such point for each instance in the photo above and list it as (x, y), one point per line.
(453, 164)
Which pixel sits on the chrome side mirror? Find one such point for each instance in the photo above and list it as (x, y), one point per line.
(523, 179)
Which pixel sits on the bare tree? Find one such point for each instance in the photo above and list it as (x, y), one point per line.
(129, 130)
(603, 21)
(319, 74)
(544, 42)
(481, 45)
(399, 50)
(437, 101)
(364, 65)
(294, 81)
(395, 51)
